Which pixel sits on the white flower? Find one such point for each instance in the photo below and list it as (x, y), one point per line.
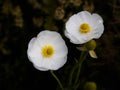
(84, 26)
(47, 51)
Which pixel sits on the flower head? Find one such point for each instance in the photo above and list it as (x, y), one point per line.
(47, 51)
(83, 27)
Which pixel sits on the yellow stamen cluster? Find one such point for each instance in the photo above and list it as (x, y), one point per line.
(84, 28)
(47, 51)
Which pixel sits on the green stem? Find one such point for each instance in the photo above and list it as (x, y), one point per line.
(61, 86)
(71, 74)
(82, 58)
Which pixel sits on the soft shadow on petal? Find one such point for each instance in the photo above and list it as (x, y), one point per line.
(40, 68)
(57, 63)
(38, 61)
(72, 38)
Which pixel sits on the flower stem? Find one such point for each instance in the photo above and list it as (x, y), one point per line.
(82, 58)
(61, 86)
(71, 75)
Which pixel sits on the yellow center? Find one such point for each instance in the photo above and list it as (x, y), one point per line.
(47, 51)
(84, 28)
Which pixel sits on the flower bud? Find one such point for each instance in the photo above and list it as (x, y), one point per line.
(90, 86)
(91, 45)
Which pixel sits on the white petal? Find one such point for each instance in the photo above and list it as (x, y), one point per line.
(30, 44)
(73, 33)
(47, 33)
(73, 24)
(96, 20)
(47, 37)
(85, 38)
(43, 33)
(61, 52)
(36, 60)
(60, 46)
(71, 27)
(57, 60)
(34, 51)
(98, 31)
(72, 38)
(58, 63)
(76, 19)
(85, 16)
(41, 68)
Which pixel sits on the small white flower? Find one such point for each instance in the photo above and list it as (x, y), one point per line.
(47, 51)
(83, 27)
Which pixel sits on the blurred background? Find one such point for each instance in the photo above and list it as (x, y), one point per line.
(21, 20)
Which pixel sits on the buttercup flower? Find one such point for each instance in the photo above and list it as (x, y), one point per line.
(47, 51)
(83, 27)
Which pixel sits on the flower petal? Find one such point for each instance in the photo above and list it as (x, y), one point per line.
(85, 16)
(58, 62)
(72, 38)
(30, 45)
(98, 31)
(96, 20)
(40, 68)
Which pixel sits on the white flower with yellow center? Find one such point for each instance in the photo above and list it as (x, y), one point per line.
(47, 51)
(84, 26)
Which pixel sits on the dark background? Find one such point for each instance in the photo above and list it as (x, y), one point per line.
(21, 20)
